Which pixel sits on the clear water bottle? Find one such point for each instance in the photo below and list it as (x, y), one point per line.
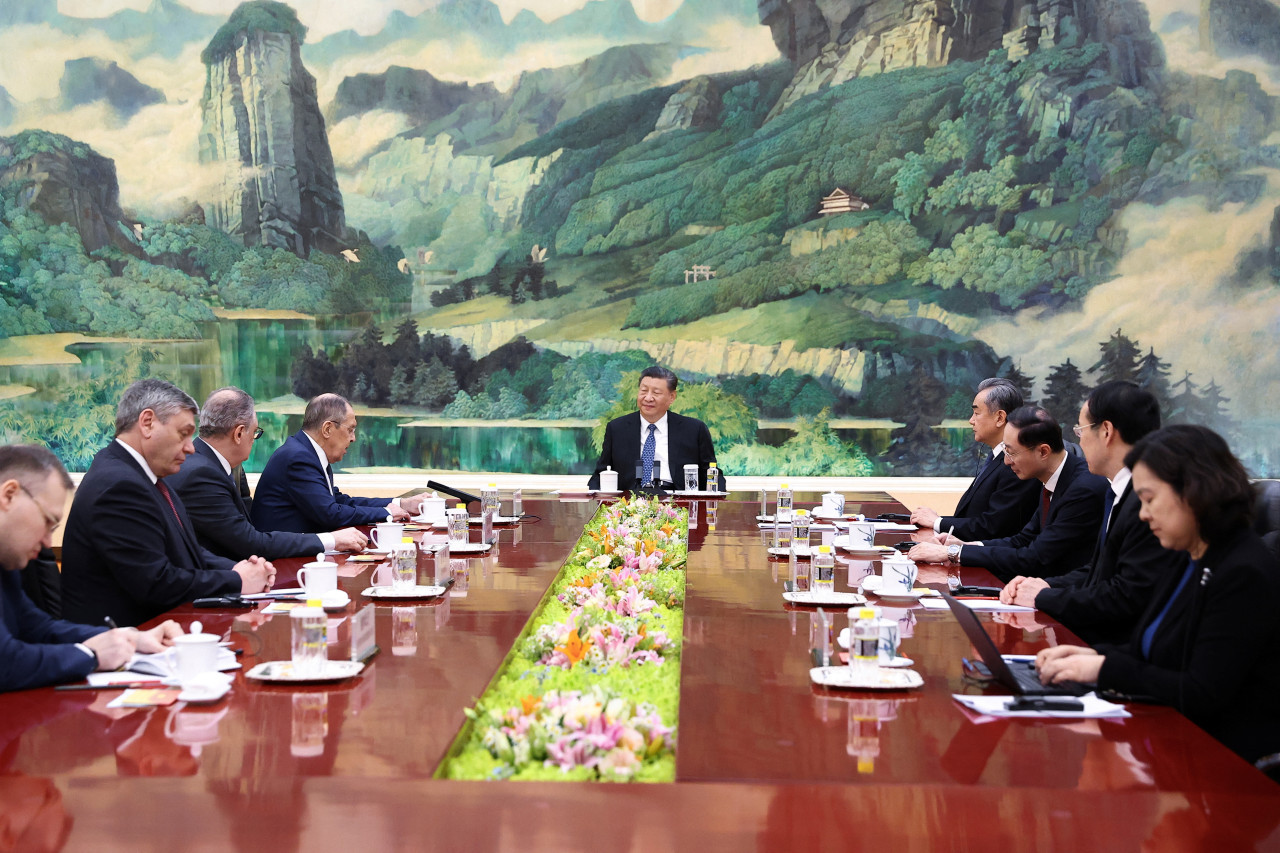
(864, 639)
(784, 502)
(489, 500)
(800, 531)
(713, 478)
(782, 533)
(823, 570)
(310, 639)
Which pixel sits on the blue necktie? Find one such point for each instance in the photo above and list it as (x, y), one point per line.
(646, 455)
(1108, 501)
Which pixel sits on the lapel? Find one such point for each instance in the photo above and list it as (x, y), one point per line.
(1100, 547)
(988, 471)
(1064, 483)
(203, 448)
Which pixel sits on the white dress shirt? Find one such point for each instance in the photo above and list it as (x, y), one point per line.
(660, 449)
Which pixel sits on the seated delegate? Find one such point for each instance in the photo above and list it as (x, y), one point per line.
(35, 648)
(296, 491)
(653, 438)
(1206, 644)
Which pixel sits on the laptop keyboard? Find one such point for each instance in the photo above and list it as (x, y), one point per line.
(1025, 674)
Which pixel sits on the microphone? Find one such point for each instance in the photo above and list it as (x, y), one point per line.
(465, 497)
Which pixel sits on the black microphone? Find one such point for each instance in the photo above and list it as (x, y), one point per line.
(465, 497)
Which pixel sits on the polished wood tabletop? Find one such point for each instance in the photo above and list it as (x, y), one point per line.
(765, 760)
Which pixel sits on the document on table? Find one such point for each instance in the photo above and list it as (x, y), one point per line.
(986, 605)
(994, 706)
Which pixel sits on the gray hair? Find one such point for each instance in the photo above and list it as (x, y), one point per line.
(224, 410)
(1002, 395)
(163, 398)
(325, 407)
(662, 373)
(30, 464)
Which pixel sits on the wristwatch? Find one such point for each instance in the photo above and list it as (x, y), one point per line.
(953, 553)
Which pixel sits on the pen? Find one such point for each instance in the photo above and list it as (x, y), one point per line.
(120, 685)
(111, 623)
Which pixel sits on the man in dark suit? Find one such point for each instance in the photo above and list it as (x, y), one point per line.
(228, 428)
(1102, 601)
(296, 491)
(651, 439)
(35, 648)
(996, 503)
(130, 551)
(1060, 536)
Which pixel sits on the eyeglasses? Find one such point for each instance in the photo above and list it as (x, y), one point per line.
(257, 433)
(51, 522)
(1079, 430)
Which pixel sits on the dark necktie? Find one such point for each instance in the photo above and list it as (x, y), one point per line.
(164, 490)
(646, 454)
(1108, 501)
(328, 473)
(1045, 497)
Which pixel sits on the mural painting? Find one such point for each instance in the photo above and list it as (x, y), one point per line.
(479, 220)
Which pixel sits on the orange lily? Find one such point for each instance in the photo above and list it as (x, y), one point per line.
(574, 648)
(529, 703)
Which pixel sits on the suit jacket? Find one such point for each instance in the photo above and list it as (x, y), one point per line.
(213, 502)
(124, 554)
(1101, 602)
(35, 648)
(294, 494)
(996, 504)
(688, 442)
(1063, 543)
(1213, 655)
(42, 582)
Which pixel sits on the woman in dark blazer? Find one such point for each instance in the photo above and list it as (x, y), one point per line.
(1206, 644)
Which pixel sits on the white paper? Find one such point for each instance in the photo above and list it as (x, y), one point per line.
(994, 706)
(985, 605)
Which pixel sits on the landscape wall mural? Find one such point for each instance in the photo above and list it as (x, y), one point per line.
(479, 220)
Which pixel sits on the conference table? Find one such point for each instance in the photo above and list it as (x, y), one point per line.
(765, 760)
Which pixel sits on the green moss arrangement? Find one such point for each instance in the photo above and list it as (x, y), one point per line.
(264, 15)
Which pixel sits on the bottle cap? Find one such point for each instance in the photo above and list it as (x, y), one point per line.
(824, 549)
(802, 512)
(785, 486)
(866, 613)
(313, 602)
(406, 540)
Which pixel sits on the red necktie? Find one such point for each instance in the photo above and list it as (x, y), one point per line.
(1045, 495)
(164, 490)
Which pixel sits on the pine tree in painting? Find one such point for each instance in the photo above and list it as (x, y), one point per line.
(1119, 358)
(1064, 392)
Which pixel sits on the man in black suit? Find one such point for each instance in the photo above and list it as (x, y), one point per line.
(35, 648)
(130, 551)
(996, 503)
(228, 428)
(1102, 601)
(639, 444)
(1061, 535)
(296, 491)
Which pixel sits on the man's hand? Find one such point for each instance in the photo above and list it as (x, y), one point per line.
(349, 539)
(1068, 663)
(113, 648)
(256, 575)
(412, 505)
(1023, 591)
(924, 517)
(157, 638)
(398, 513)
(927, 552)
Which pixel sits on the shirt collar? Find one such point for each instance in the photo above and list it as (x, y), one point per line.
(660, 423)
(226, 466)
(997, 450)
(1120, 481)
(324, 460)
(1052, 483)
(146, 469)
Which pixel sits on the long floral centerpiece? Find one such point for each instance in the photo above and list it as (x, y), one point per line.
(591, 688)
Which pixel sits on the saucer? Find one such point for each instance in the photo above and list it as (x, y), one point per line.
(334, 599)
(870, 679)
(209, 687)
(418, 591)
(812, 598)
(282, 670)
(802, 553)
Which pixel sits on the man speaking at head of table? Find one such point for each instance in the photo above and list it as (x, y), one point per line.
(296, 491)
(130, 552)
(636, 444)
(228, 429)
(1061, 535)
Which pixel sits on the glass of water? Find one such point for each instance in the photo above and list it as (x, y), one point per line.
(458, 520)
(691, 478)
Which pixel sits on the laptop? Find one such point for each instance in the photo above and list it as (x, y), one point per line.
(1018, 676)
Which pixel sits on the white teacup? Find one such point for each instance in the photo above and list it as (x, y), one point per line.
(862, 534)
(888, 647)
(196, 655)
(898, 576)
(318, 578)
(387, 535)
(833, 503)
(608, 480)
(432, 509)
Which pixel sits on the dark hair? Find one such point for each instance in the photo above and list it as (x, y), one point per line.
(1002, 395)
(1134, 412)
(224, 410)
(31, 464)
(163, 398)
(1036, 427)
(1197, 464)
(662, 373)
(325, 407)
